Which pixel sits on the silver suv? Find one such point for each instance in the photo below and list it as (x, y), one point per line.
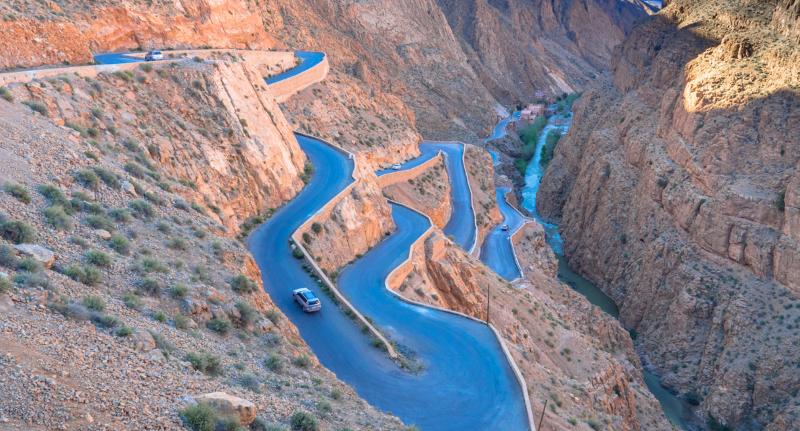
(307, 300)
(153, 56)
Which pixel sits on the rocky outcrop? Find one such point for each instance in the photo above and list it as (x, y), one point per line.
(37, 252)
(427, 192)
(351, 224)
(30, 43)
(675, 190)
(480, 174)
(228, 405)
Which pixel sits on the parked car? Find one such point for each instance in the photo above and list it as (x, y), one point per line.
(504, 227)
(396, 166)
(153, 56)
(307, 300)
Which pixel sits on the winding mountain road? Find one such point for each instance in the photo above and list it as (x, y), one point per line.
(466, 383)
(497, 252)
(462, 219)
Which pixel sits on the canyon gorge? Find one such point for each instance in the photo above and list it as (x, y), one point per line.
(155, 217)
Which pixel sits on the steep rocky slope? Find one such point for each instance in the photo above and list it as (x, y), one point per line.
(121, 300)
(676, 191)
(556, 46)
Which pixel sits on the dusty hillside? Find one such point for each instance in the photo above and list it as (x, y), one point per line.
(677, 193)
(123, 296)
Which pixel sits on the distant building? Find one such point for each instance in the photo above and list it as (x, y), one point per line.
(540, 94)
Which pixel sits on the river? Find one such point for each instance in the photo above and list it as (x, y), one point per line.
(674, 408)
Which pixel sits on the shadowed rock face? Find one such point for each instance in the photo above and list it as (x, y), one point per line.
(676, 192)
(555, 46)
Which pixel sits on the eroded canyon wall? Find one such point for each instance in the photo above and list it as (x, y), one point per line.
(676, 192)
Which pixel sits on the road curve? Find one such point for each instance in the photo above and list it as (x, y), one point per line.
(467, 384)
(462, 219)
(497, 251)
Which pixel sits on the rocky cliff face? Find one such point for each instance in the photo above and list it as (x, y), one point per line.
(214, 132)
(29, 43)
(676, 191)
(428, 193)
(557, 46)
(352, 224)
(480, 174)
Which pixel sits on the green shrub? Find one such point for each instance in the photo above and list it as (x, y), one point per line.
(95, 208)
(200, 233)
(120, 244)
(303, 421)
(181, 205)
(98, 258)
(274, 316)
(200, 417)
(132, 301)
(154, 198)
(29, 279)
(37, 107)
(6, 94)
(297, 253)
(31, 265)
(135, 170)
(87, 274)
(17, 231)
(149, 286)
(521, 165)
(181, 321)
(307, 238)
(8, 257)
(106, 322)
(100, 221)
(316, 227)
(150, 264)
(199, 208)
(336, 394)
(142, 209)
(595, 424)
(249, 314)
(274, 362)
(108, 177)
(5, 285)
(164, 227)
(230, 423)
(259, 424)
(178, 243)
(242, 284)
(206, 363)
(220, 324)
(302, 361)
(692, 398)
(178, 290)
(88, 179)
(124, 331)
(780, 203)
(324, 408)
(19, 192)
(160, 316)
(94, 303)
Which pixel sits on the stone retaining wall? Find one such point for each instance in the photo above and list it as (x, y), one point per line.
(401, 176)
(288, 87)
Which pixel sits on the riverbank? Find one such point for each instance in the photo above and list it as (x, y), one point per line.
(674, 408)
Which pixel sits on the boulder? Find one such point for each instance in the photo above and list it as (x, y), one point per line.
(264, 326)
(128, 188)
(194, 306)
(228, 405)
(217, 312)
(103, 234)
(142, 341)
(41, 254)
(231, 310)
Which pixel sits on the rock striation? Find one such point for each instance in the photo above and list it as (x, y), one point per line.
(676, 191)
